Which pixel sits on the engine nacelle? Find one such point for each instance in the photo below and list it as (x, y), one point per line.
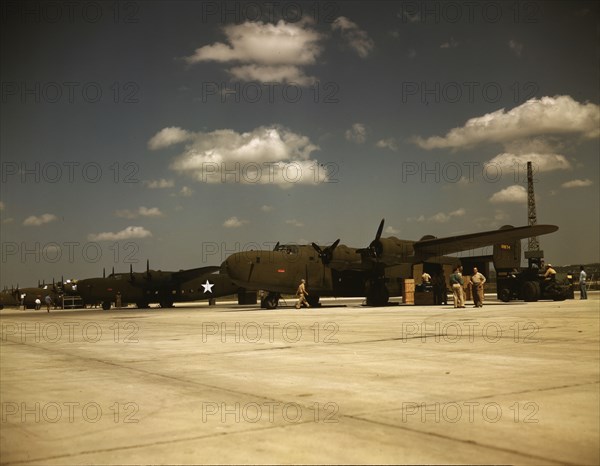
(392, 249)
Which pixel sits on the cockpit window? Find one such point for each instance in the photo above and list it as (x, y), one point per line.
(289, 248)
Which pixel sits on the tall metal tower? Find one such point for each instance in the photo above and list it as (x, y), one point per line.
(533, 254)
(534, 244)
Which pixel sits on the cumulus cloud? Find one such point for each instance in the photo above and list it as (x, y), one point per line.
(159, 184)
(357, 134)
(265, 155)
(577, 183)
(266, 208)
(127, 233)
(34, 221)
(390, 230)
(294, 222)
(440, 217)
(167, 137)
(541, 162)
(513, 194)
(268, 52)
(516, 47)
(389, 143)
(547, 115)
(186, 191)
(234, 222)
(355, 37)
(140, 212)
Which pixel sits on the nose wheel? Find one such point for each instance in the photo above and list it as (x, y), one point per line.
(270, 301)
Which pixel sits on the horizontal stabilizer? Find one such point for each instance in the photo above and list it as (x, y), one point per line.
(452, 244)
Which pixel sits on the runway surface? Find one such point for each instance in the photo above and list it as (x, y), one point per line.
(507, 383)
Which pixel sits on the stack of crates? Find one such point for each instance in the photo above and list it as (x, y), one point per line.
(408, 294)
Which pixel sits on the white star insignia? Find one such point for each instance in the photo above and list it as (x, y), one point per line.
(208, 286)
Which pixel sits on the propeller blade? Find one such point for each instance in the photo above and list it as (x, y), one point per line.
(103, 272)
(148, 275)
(380, 229)
(317, 248)
(113, 270)
(276, 246)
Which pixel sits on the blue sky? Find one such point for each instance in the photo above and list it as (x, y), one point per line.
(180, 132)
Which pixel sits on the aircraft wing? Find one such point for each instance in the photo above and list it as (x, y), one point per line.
(190, 274)
(452, 244)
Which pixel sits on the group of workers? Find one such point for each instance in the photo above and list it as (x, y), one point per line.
(438, 284)
(457, 283)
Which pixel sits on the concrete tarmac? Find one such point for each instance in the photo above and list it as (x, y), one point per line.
(507, 383)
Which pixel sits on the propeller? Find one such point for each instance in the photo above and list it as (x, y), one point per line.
(131, 277)
(326, 254)
(103, 272)
(276, 246)
(148, 274)
(375, 249)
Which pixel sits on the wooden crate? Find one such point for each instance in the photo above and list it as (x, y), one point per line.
(408, 297)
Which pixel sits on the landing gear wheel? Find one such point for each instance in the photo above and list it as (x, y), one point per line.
(142, 305)
(166, 304)
(313, 301)
(270, 301)
(504, 295)
(106, 305)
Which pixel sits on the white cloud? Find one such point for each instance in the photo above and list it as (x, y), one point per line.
(547, 115)
(449, 44)
(167, 137)
(516, 47)
(283, 73)
(491, 223)
(266, 208)
(159, 184)
(389, 143)
(127, 233)
(272, 52)
(265, 155)
(294, 222)
(141, 212)
(390, 230)
(34, 221)
(440, 217)
(514, 194)
(358, 39)
(577, 183)
(186, 192)
(517, 164)
(234, 222)
(357, 134)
